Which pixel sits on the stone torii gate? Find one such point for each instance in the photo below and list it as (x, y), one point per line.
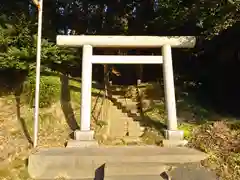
(84, 136)
(86, 160)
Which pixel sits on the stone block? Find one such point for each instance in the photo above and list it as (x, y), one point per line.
(76, 143)
(44, 167)
(83, 135)
(174, 134)
(123, 169)
(192, 171)
(137, 177)
(174, 143)
(86, 162)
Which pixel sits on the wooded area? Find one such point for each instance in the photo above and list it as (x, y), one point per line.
(213, 63)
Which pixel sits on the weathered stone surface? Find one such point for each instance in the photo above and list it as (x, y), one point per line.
(132, 154)
(174, 134)
(128, 177)
(192, 172)
(132, 140)
(84, 135)
(140, 177)
(50, 167)
(123, 169)
(134, 128)
(80, 144)
(174, 143)
(77, 163)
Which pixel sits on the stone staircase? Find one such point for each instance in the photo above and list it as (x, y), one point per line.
(110, 162)
(125, 122)
(134, 162)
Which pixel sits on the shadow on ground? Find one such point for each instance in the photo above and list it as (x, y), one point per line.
(65, 100)
(97, 101)
(26, 133)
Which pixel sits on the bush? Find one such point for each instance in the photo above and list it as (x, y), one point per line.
(187, 129)
(223, 145)
(50, 88)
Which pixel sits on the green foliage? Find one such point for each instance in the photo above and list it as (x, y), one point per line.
(18, 46)
(187, 129)
(18, 29)
(50, 88)
(17, 49)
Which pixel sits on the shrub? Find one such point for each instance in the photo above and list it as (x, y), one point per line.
(223, 145)
(187, 129)
(49, 91)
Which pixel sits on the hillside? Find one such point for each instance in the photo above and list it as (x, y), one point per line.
(58, 119)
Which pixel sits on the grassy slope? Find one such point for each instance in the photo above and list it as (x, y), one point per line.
(16, 125)
(54, 127)
(206, 130)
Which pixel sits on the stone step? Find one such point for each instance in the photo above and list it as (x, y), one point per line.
(135, 117)
(127, 116)
(117, 129)
(132, 106)
(127, 140)
(126, 108)
(145, 102)
(121, 124)
(133, 111)
(132, 140)
(124, 169)
(128, 104)
(116, 97)
(133, 132)
(132, 177)
(80, 163)
(134, 128)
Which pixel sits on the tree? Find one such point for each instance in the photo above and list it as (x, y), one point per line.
(18, 46)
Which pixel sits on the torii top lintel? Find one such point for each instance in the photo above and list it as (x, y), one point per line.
(126, 41)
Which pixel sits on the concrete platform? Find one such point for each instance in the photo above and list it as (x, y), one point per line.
(85, 162)
(134, 169)
(192, 171)
(138, 177)
(79, 144)
(131, 177)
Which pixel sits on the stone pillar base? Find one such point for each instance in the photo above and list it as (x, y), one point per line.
(174, 134)
(81, 144)
(84, 135)
(174, 143)
(174, 138)
(82, 139)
